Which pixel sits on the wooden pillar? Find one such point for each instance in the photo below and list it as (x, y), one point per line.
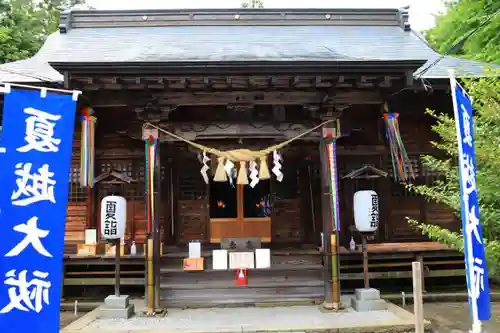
(152, 252)
(330, 237)
(326, 224)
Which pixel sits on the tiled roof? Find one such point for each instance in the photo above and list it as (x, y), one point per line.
(238, 43)
(35, 69)
(462, 67)
(356, 35)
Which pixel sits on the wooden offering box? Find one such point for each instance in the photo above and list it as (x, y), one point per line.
(193, 264)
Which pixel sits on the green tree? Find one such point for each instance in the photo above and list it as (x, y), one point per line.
(460, 18)
(486, 96)
(252, 4)
(25, 24)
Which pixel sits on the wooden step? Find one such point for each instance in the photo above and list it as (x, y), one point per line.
(200, 281)
(239, 296)
(265, 271)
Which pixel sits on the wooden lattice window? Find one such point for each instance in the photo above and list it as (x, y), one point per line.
(124, 166)
(140, 166)
(131, 168)
(76, 192)
(415, 164)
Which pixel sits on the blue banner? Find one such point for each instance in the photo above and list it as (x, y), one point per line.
(37, 134)
(475, 261)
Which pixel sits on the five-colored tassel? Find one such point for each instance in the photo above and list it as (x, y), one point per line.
(401, 163)
(87, 150)
(151, 155)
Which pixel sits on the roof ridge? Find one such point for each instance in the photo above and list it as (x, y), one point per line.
(237, 16)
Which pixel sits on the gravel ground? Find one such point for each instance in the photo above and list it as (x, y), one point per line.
(454, 317)
(68, 317)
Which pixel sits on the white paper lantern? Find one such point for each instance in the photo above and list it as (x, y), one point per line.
(113, 217)
(366, 211)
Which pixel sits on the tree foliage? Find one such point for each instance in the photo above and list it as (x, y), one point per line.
(25, 24)
(486, 96)
(252, 4)
(462, 17)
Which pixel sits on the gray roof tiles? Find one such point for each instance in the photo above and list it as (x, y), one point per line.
(238, 43)
(246, 42)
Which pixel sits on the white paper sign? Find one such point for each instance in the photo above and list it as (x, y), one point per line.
(241, 260)
(194, 250)
(262, 258)
(90, 236)
(219, 259)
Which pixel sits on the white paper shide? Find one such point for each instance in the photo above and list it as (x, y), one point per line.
(113, 217)
(366, 211)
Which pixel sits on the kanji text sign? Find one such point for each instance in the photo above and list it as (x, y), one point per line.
(37, 136)
(113, 217)
(475, 261)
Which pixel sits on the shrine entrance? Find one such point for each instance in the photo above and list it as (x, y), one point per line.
(240, 211)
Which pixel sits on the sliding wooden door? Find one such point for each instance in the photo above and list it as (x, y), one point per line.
(240, 211)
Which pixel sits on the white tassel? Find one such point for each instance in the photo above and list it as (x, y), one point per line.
(254, 174)
(277, 166)
(229, 166)
(205, 167)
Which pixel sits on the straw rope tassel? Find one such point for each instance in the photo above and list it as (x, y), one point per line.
(220, 172)
(264, 169)
(242, 174)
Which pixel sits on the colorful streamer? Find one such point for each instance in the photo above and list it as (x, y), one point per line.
(87, 150)
(331, 148)
(151, 152)
(401, 164)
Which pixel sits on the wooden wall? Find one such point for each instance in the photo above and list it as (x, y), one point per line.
(192, 213)
(287, 218)
(297, 210)
(112, 153)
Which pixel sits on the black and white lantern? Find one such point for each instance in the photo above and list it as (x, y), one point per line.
(366, 211)
(113, 217)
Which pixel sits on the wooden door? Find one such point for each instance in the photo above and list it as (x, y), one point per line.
(243, 224)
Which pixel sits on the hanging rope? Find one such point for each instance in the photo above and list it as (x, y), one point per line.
(401, 163)
(87, 150)
(243, 156)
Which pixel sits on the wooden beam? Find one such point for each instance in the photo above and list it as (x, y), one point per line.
(282, 131)
(104, 99)
(255, 82)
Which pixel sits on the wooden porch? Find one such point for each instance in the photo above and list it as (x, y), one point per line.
(296, 275)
